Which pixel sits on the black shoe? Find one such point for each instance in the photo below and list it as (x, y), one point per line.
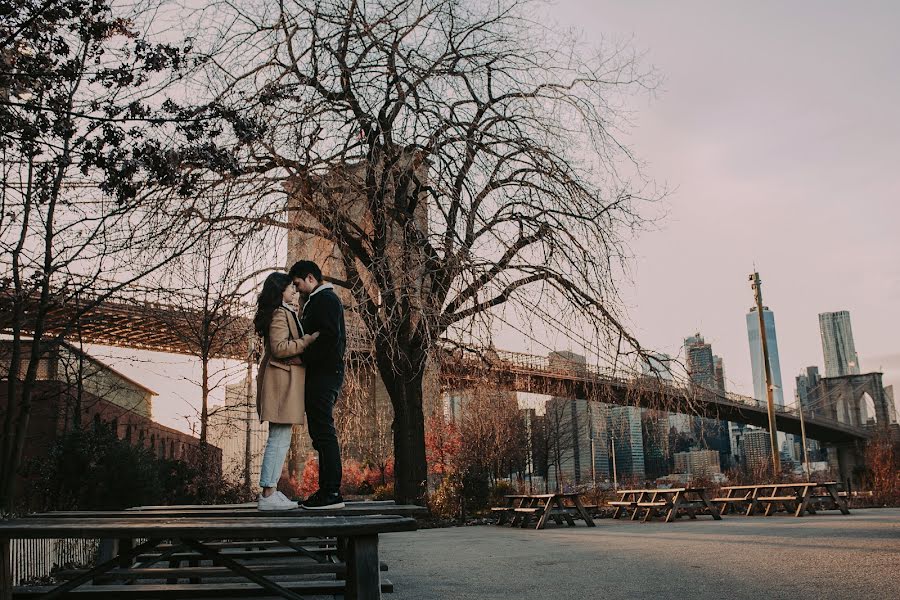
(323, 500)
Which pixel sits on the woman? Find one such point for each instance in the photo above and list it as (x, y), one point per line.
(280, 383)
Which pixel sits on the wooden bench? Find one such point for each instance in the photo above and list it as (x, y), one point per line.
(362, 570)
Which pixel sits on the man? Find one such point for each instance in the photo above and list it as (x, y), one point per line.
(324, 360)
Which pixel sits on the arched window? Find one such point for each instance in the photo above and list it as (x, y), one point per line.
(128, 433)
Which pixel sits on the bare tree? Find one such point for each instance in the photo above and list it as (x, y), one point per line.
(209, 311)
(457, 156)
(492, 433)
(92, 151)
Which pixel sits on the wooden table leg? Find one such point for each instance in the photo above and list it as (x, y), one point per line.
(517, 517)
(674, 505)
(708, 503)
(6, 582)
(803, 501)
(583, 512)
(751, 507)
(650, 510)
(564, 512)
(840, 502)
(636, 510)
(543, 520)
(505, 514)
(363, 571)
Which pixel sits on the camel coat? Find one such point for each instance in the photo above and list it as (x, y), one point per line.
(280, 386)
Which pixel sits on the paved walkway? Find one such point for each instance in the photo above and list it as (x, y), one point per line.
(824, 556)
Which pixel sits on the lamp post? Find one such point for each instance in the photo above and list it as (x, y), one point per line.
(756, 285)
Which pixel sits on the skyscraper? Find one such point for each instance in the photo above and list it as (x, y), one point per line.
(807, 382)
(627, 440)
(719, 372)
(700, 364)
(708, 371)
(756, 356)
(837, 344)
(576, 429)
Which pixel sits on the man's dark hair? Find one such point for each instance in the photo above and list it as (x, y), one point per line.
(302, 268)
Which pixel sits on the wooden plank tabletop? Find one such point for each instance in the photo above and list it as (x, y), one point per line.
(201, 527)
(770, 485)
(660, 490)
(247, 505)
(531, 495)
(356, 510)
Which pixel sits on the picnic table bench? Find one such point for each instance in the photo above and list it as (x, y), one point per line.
(674, 501)
(519, 509)
(799, 498)
(361, 570)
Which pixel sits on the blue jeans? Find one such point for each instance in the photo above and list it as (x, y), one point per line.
(276, 450)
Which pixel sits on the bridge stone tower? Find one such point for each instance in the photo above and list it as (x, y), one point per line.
(857, 400)
(363, 414)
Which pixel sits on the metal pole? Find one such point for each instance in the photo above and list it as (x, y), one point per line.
(803, 438)
(770, 398)
(249, 415)
(612, 443)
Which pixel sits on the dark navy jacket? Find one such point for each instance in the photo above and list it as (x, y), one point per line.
(324, 312)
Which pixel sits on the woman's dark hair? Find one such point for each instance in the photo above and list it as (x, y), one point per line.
(269, 299)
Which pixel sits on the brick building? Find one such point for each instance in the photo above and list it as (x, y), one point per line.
(71, 382)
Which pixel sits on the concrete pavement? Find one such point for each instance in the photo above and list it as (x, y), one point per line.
(815, 557)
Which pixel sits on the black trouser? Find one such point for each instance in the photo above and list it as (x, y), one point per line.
(321, 394)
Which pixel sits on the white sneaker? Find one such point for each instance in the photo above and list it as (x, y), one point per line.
(276, 501)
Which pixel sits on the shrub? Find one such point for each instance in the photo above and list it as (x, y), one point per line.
(501, 489)
(384, 492)
(445, 501)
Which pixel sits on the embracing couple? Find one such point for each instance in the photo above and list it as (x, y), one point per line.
(300, 377)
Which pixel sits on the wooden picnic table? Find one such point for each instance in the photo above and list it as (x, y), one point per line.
(520, 508)
(328, 553)
(362, 571)
(674, 501)
(799, 498)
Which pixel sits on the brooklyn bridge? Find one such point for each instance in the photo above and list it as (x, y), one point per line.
(158, 321)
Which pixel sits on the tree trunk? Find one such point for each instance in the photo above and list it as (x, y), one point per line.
(204, 392)
(404, 386)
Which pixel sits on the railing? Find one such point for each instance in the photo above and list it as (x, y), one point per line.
(559, 368)
(35, 560)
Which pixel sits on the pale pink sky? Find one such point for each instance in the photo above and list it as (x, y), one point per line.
(778, 131)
